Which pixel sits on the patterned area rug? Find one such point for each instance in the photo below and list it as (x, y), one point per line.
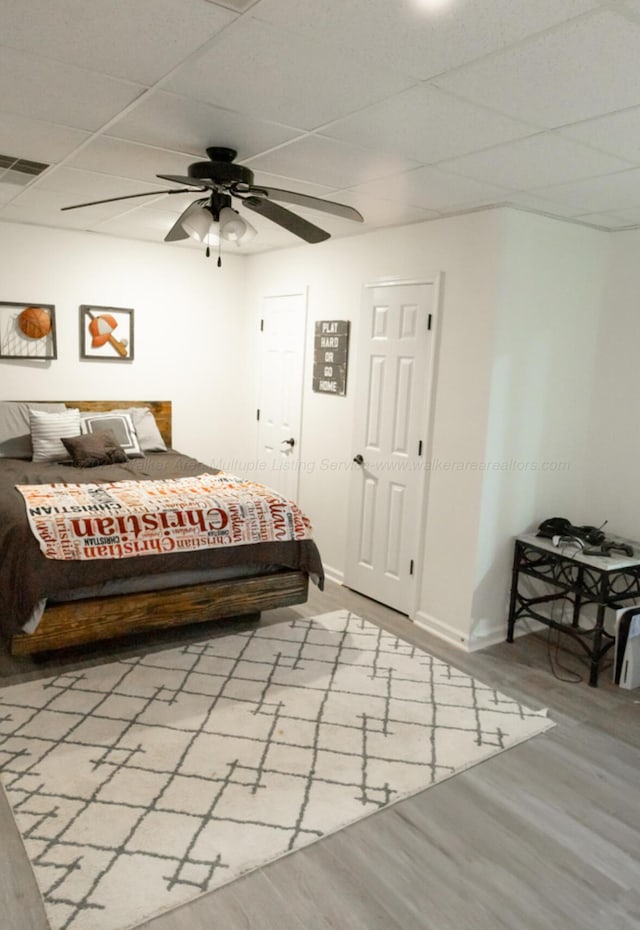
(140, 784)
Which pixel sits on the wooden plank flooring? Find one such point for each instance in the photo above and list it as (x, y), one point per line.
(545, 836)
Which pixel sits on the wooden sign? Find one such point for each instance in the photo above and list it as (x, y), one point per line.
(330, 356)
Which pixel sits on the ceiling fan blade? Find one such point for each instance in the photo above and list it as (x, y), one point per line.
(202, 184)
(93, 203)
(314, 203)
(285, 218)
(177, 231)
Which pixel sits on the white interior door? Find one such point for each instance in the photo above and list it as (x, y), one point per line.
(282, 339)
(395, 350)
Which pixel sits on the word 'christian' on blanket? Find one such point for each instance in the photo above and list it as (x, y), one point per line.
(126, 518)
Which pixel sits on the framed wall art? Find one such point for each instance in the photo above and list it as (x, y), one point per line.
(106, 333)
(27, 330)
(331, 356)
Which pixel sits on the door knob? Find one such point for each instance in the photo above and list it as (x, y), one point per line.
(289, 442)
(358, 459)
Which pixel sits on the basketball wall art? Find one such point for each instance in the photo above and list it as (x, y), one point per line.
(106, 333)
(27, 330)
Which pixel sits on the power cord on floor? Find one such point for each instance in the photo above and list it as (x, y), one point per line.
(554, 661)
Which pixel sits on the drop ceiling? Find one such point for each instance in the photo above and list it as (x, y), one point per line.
(406, 109)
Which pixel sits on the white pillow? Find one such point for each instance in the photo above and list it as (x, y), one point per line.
(47, 430)
(120, 424)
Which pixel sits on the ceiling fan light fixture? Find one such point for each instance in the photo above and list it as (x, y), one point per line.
(249, 233)
(232, 226)
(213, 236)
(197, 224)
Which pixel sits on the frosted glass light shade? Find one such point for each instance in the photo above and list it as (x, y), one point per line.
(197, 224)
(232, 226)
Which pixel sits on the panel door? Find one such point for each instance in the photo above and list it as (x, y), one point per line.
(280, 396)
(395, 355)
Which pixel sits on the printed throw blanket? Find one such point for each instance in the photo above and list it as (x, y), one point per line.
(127, 518)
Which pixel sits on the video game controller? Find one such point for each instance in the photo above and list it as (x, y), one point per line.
(610, 545)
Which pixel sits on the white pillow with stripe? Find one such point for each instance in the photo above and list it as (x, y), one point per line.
(47, 430)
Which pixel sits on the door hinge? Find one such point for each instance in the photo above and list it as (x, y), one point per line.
(411, 567)
(258, 413)
(420, 447)
(429, 321)
(261, 326)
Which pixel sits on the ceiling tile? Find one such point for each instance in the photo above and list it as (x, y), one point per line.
(41, 216)
(379, 212)
(275, 75)
(326, 161)
(155, 36)
(285, 183)
(239, 6)
(559, 77)
(73, 97)
(417, 40)
(630, 216)
(535, 162)
(7, 192)
(323, 99)
(542, 205)
(606, 220)
(617, 133)
(40, 200)
(34, 139)
(174, 122)
(599, 195)
(434, 190)
(428, 125)
(128, 160)
(80, 186)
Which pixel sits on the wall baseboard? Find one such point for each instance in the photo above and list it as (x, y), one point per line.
(440, 629)
(497, 633)
(333, 574)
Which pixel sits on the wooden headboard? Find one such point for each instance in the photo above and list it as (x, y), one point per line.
(161, 410)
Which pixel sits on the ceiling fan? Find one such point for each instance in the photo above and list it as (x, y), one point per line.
(212, 218)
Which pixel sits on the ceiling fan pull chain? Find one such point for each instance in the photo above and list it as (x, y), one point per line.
(208, 252)
(219, 251)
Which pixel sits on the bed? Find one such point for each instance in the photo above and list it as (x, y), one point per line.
(92, 601)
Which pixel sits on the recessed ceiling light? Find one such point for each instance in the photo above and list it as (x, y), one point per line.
(433, 4)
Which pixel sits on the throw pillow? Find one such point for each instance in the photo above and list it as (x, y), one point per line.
(15, 435)
(47, 430)
(120, 424)
(92, 449)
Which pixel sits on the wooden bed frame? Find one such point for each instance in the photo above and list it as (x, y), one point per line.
(94, 619)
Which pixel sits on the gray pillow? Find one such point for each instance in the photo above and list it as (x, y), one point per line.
(120, 424)
(94, 449)
(15, 429)
(146, 428)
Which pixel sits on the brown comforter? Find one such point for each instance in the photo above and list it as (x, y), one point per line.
(26, 576)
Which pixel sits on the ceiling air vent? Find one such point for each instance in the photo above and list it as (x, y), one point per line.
(19, 170)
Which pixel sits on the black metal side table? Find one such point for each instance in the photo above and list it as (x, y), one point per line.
(577, 580)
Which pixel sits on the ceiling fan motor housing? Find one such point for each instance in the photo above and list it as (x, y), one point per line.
(221, 172)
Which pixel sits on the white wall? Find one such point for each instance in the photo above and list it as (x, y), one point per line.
(465, 249)
(546, 356)
(524, 373)
(614, 438)
(189, 327)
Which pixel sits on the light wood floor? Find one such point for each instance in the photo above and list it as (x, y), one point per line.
(545, 836)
